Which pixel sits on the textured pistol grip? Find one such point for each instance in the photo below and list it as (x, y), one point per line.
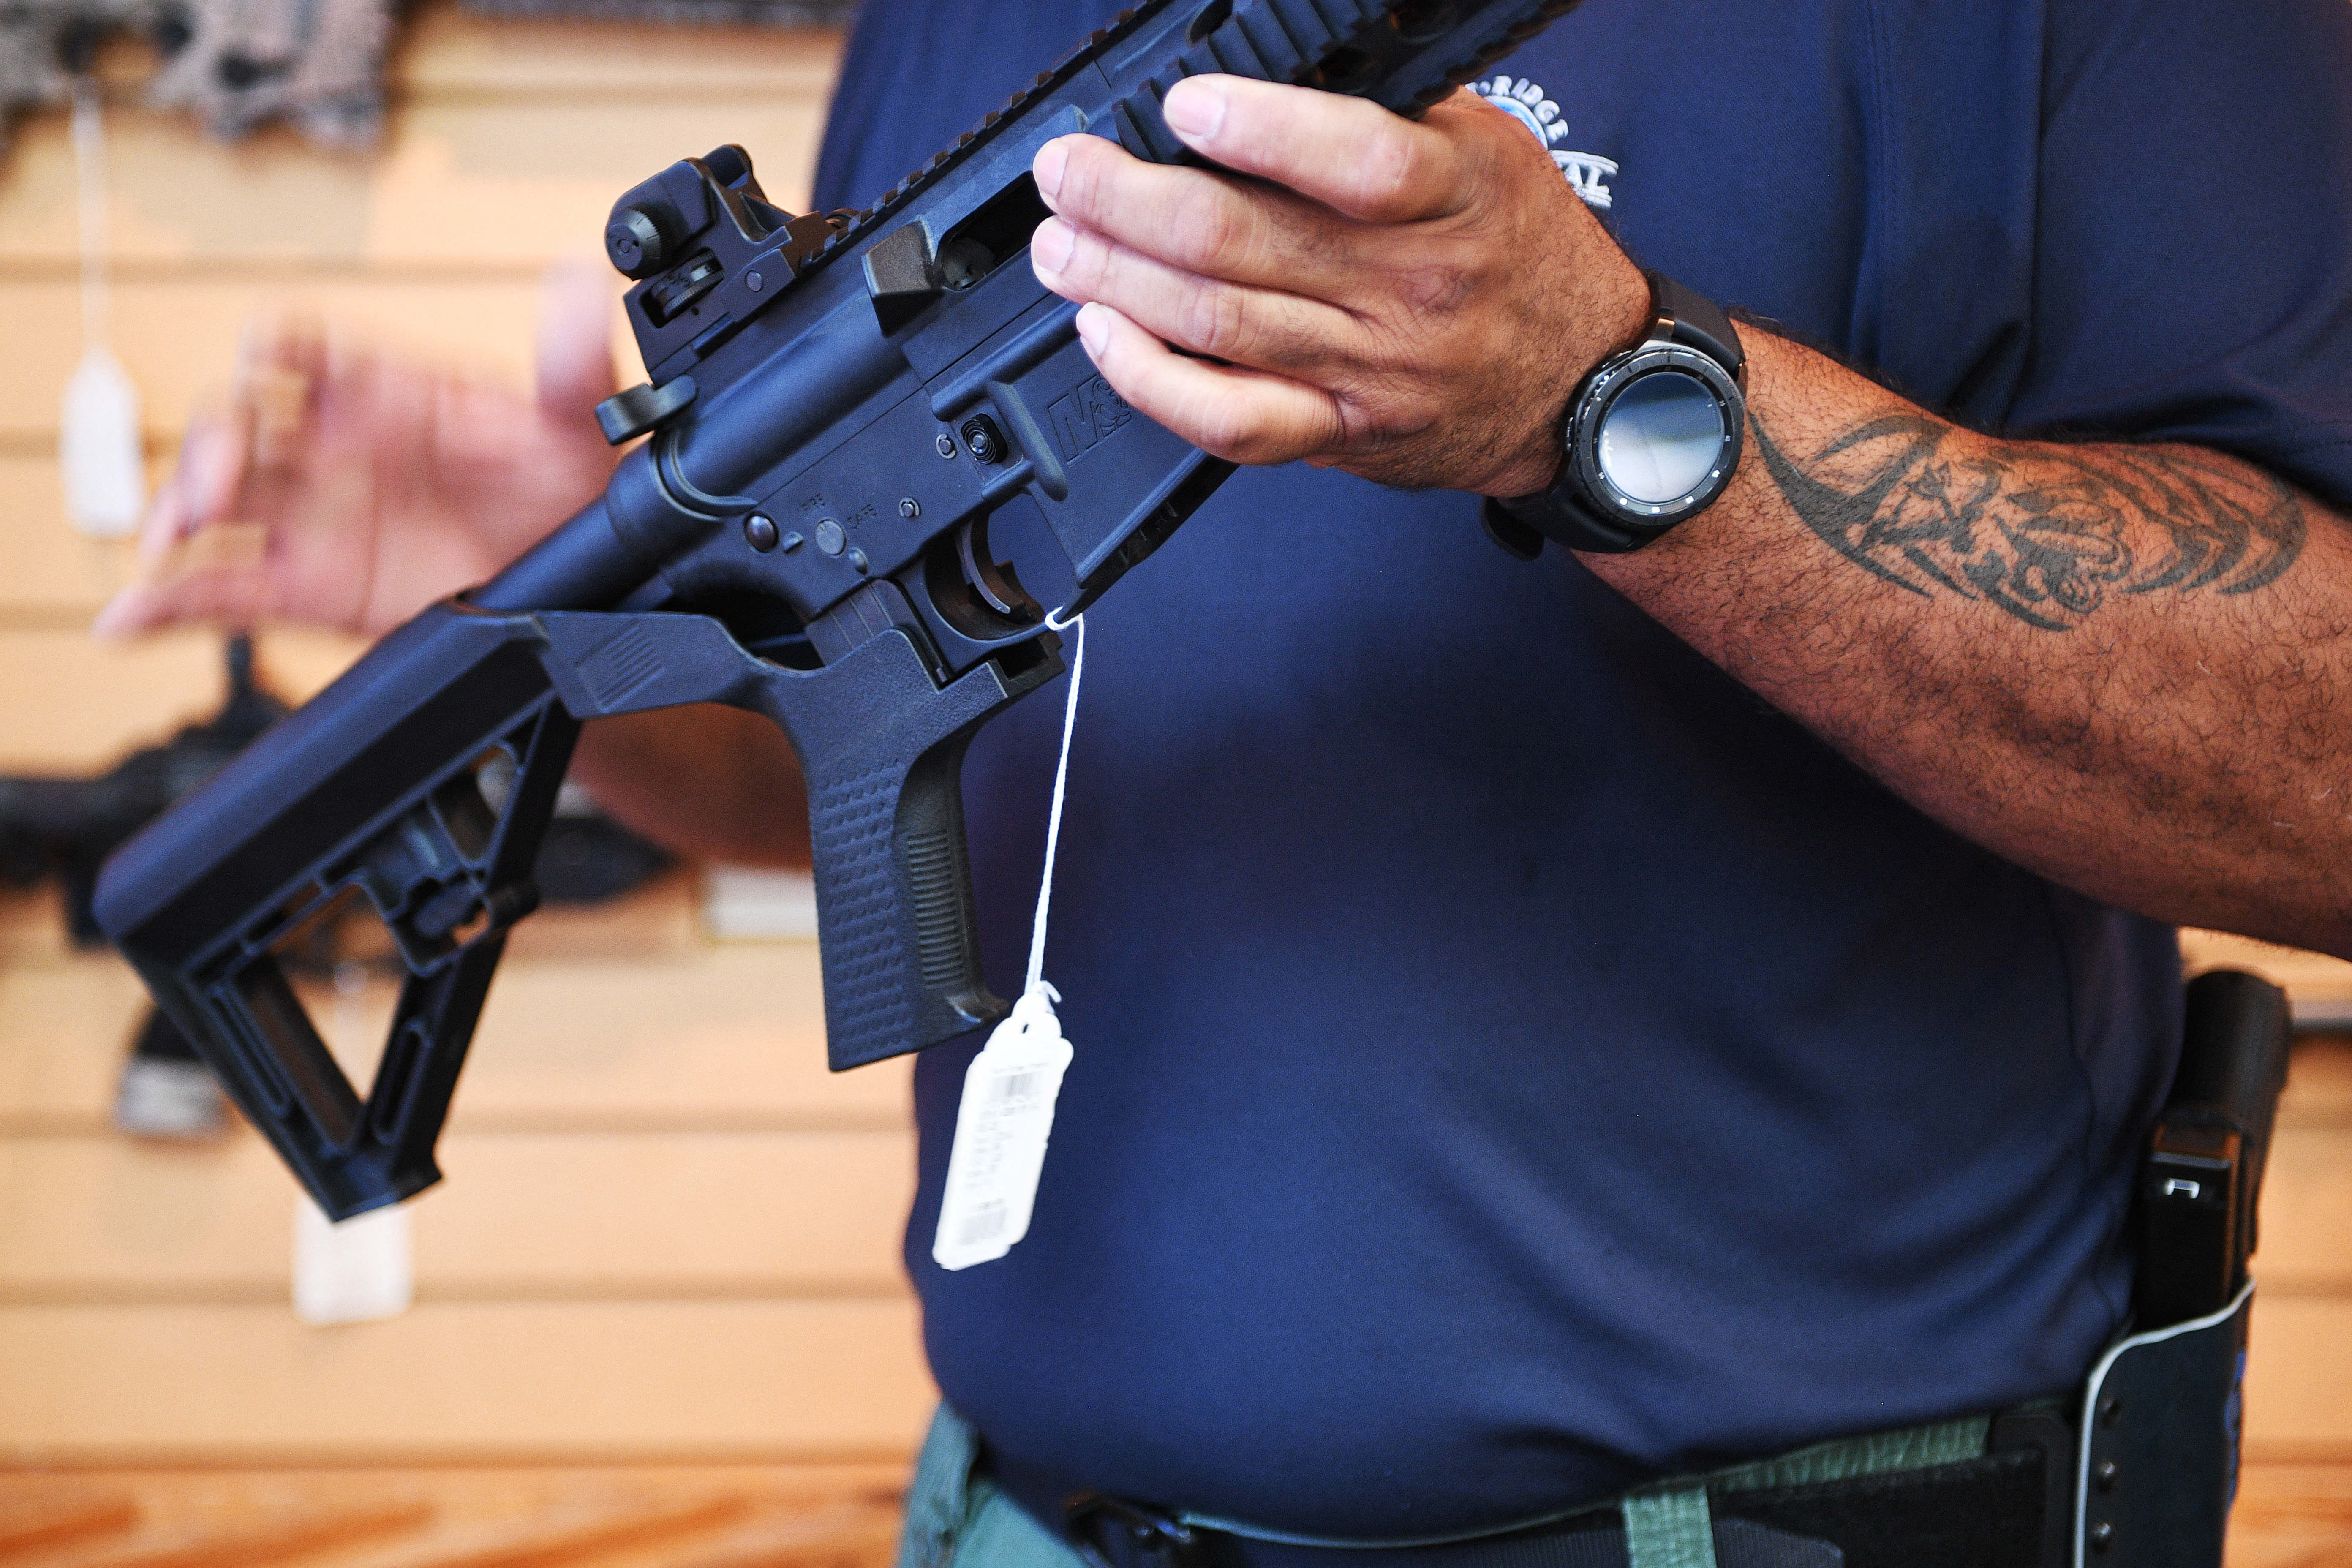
(894, 902)
(881, 746)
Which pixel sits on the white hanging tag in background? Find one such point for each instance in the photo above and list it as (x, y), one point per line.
(97, 443)
(98, 428)
(1002, 1126)
(1007, 1110)
(364, 1269)
(353, 1272)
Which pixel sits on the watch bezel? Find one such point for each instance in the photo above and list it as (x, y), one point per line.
(1687, 334)
(1610, 381)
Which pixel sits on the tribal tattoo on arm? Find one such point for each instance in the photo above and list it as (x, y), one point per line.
(2047, 533)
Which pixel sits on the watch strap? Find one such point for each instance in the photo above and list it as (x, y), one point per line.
(1563, 516)
(1513, 536)
(1698, 323)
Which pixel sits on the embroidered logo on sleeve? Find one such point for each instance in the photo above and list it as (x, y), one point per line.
(1526, 102)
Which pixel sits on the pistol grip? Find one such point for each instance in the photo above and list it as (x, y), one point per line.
(894, 901)
(881, 746)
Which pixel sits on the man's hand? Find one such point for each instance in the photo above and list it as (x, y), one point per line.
(1412, 301)
(2116, 665)
(365, 487)
(368, 485)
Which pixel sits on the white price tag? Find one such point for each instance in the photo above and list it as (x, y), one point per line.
(1002, 1126)
(353, 1272)
(97, 448)
(98, 427)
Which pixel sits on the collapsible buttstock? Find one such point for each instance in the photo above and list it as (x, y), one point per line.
(372, 792)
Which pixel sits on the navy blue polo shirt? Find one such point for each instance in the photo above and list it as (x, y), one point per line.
(1513, 1060)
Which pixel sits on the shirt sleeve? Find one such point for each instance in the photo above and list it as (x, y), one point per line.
(2193, 265)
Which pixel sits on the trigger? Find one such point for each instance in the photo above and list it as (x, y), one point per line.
(995, 585)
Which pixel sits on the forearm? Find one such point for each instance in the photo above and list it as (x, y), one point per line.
(2119, 665)
(717, 783)
(2116, 665)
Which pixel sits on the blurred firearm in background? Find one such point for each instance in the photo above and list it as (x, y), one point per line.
(63, 828)
(238, 64)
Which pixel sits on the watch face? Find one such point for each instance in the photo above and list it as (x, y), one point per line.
(1662, 436)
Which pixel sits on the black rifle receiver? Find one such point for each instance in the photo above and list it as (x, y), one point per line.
(836, 405)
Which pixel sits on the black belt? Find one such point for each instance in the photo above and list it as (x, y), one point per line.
(2011, 1508)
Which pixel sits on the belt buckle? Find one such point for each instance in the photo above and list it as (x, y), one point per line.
(1146, 1537)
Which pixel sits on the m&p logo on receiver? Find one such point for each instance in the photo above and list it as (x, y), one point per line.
(1085, 414)
(1524, 101)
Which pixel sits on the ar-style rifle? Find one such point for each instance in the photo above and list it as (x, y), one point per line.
(836, 405)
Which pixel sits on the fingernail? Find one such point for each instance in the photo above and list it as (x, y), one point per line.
(1050, 248)
(1094, 327)
(1194, 109)
(1052, 159)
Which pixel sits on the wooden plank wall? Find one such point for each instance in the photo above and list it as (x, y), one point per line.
(668, 1237)
(667, 1231)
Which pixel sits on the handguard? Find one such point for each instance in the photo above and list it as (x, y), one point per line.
(836, 407)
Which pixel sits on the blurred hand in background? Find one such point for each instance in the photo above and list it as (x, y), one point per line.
(349, 489)
(360, 487)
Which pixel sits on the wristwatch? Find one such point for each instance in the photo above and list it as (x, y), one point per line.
(1651, 437)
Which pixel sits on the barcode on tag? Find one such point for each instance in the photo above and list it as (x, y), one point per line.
(1002, 1126)
(984, 1223)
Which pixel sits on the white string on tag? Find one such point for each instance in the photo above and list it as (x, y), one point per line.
(98, 427)
(1006, 1114)
(88, 130)
(1053, 820)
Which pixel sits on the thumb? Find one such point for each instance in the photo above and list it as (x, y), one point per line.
(575, 339)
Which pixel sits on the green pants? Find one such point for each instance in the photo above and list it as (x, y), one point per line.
(956, 1516)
